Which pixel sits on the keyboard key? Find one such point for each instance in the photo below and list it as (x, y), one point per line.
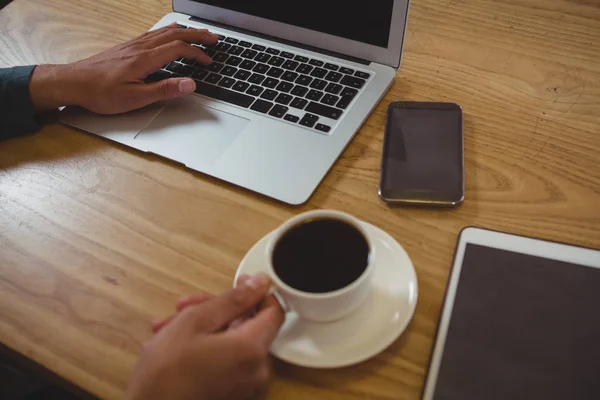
(357, 83)
(199, 75)
(261, 68)
(187, 61)
(174, 67)
(362, 75)
(256, 78)
(276, 61)
(229, 70)
(304, 80)
(215, 67)
(299, 90)
(245, 44)
(323, 110)
(344, 102)
(273, 51)
(289, 76)
(213, 78)
(181, 26)
(278, 111)
(247, 64)
(222, 46)
(318, 84)
(304, 69)
(232, 40)
(301, 59)
(220, 57)
(186, 70)
(255, 90)
(275, 72)
(319, 72)
(291, 65)
(250, 53)
(236, 50)
(261, 106)
(159, 76)
(283, 99)
(332, 67)
(221, 37)
(271, 83)
(333, 88)
(285, 87)
(346, 71)
(242, 75)
(330, 100)
(241, 86)
(269, 94)
(349, 92)
(210, 52)
(285, 54)
(291, 118)
(233, 60)
(323, 128)
(223, 94)
(227, 82)
(316, 63)
(314, 95)
(309, 120)
(262, 57)
(299, 103)
(334, 76)
(259, 47)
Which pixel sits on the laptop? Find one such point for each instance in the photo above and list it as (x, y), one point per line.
(290, 85)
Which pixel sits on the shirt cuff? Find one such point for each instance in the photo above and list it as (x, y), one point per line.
(17, 114)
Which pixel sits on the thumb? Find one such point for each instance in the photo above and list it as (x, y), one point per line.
(165, 90)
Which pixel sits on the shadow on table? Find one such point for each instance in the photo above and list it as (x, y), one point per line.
(24, 379)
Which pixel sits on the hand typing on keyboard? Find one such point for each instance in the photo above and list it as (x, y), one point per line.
(113, 82)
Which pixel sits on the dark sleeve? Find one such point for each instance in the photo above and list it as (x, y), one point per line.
(17, 115)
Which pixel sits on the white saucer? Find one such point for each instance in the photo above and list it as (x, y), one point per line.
(368, 331)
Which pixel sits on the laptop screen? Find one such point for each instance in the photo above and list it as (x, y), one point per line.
(342, 18)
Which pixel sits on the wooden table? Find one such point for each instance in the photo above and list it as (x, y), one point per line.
(96, 240)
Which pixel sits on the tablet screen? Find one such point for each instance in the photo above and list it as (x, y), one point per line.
(522, 327)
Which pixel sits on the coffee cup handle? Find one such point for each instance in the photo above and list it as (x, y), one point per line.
(284, 305)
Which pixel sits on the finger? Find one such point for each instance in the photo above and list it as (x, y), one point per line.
(181, 304)
(154, 59)
(199, 36)
(265, 326)
(218, 312)
(144, 94)
(236, 323)
(161, 323)
(191, 300)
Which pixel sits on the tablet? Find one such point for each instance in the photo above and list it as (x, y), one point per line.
(521, 320)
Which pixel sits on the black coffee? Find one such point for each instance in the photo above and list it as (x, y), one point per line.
(321, 256)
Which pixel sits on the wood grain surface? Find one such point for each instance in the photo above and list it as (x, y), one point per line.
(96, 240)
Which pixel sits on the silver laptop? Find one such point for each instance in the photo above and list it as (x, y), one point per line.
(290, 85)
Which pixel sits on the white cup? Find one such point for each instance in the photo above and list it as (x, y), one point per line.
(330, 306)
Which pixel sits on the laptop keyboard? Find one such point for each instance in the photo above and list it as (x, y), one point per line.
(283, 85)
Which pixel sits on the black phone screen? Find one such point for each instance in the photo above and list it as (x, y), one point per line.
(423, 153)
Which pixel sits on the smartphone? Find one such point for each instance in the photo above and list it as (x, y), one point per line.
(423, 154)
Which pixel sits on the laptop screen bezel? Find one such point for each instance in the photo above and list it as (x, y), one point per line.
(388, 56)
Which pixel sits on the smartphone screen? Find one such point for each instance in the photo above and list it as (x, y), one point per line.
(423, 154)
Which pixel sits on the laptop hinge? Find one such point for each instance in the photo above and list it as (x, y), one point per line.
(283, 41)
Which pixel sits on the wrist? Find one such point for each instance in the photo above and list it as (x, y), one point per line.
(50, 87)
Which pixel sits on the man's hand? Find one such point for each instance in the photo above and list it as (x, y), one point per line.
(212, 349)
(112, 82)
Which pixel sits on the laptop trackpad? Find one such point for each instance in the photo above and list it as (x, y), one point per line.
(189, 132)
